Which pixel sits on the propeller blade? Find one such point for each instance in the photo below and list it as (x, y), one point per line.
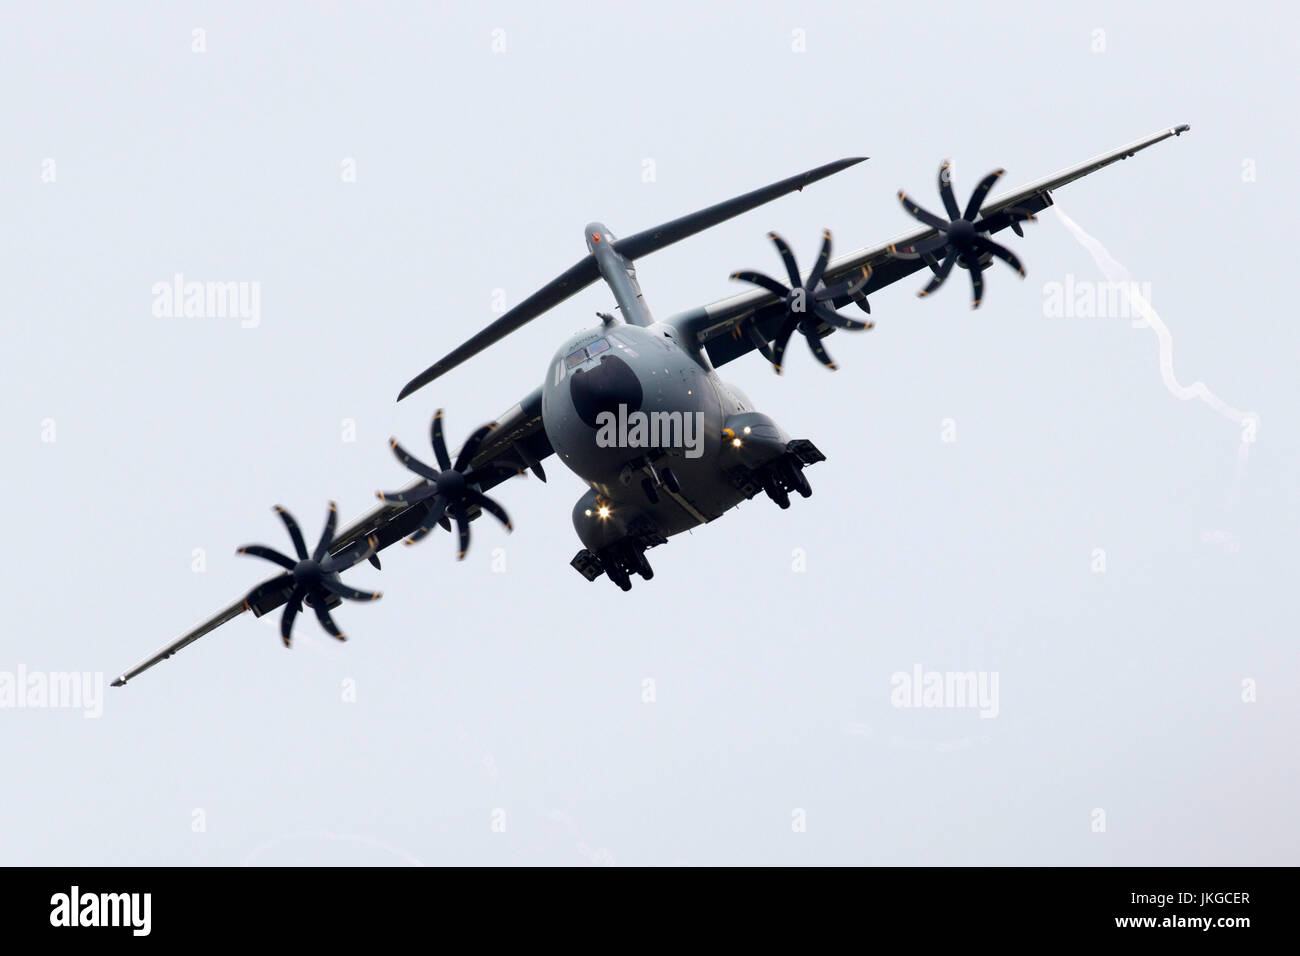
(976, 284)
(471, 446)
(925, 248)
(275, 584)
(299, 545)
(327, 533)
(823, 257)
(439, 445)
(414, 464)
(849, 287)
(942, 274)
(412, 497)
(327, 622)
(981, 193)
(291, 609)
(352, 555)
(782, 340)
(945, 191)
(351, 593)
(1001, 252)
(1012, 217)
(819, 350)
(462, 526)
(924, 215)
(859, 295)
(791, 267)
(437, 507)
(268, 554)
(491, 507)
(831, 317)
(760, 343)
(765, 282)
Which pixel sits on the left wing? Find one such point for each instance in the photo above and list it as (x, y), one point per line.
(518, 440)
(722, 328)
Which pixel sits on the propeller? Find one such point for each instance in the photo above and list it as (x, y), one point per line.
(962, 236)
(807, 303)
(450, 489)
(314, 576)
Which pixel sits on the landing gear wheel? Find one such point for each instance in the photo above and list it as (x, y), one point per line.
(775, 491)
(651, 493)
(618, 575)
(795, 479)
(615, 569)
(670, 481)
(641, 565)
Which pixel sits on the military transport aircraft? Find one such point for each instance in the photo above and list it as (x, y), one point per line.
(635, 407)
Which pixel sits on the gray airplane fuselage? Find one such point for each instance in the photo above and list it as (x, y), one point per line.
(642, 421)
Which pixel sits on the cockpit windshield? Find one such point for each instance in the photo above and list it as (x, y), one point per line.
(576, 358)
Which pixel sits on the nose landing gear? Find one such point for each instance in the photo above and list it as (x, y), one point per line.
(654, 481)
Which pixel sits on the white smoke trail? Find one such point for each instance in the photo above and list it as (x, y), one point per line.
(1247, 422)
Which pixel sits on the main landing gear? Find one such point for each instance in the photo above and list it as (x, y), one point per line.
(782, 475)
(618, 562)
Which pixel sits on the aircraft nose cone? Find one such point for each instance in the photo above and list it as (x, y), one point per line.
(604, 388)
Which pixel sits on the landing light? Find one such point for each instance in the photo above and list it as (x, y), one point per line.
(588, 512)
(604, 511)
(735, 443)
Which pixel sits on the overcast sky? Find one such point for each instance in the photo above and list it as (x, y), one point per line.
(1007, 492)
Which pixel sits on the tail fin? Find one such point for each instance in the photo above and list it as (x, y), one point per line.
(585, 272)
